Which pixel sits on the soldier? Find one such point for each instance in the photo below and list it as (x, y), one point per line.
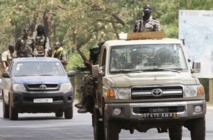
(60, 53)
(7, 56)
(146, 23)
(41, 43)
(86, 104)
(24, 45)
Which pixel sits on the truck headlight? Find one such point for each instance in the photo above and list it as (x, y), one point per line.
(122, 93)
(66, 87)
(19, 88)
(193, 91)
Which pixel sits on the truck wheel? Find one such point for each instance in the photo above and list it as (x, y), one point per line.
(197, 129)
(13, 113)
(175, 133)
(59, 114)
(5, 108)
(111, 130)
(98, 127)
(68, 113)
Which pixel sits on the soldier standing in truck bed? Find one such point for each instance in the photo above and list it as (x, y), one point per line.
(41, 42)
(24, 45)
(147, 23)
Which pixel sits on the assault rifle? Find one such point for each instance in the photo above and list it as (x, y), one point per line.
(83, 57)
(81, 53)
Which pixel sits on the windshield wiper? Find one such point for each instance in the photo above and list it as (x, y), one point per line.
(45, 75)
(121, 71)
(161, 69)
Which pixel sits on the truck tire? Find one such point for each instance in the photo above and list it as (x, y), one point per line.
(98, 126)
(111, 130)
(175, 132)
(13, 113)
(68, 113)
(197, 129)
(5, 108)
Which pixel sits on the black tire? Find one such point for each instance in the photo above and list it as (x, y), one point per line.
(13, 113)
(111, 131)
(175, 132)
(98, 126)
(68, 113)
(197, 129)
(59, 114)
(5, 108)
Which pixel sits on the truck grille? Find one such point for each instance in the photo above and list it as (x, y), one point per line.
(42, 87)
(157, 92)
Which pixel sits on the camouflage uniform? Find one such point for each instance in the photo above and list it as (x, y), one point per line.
(24, 47)
(146, 26)
(41, 46)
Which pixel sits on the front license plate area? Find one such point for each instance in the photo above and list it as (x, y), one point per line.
(158, 115)
(43, 100)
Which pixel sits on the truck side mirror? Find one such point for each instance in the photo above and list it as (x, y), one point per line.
(95, 70)
(71, 73)
(196, 66)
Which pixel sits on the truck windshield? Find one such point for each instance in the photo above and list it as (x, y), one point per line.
(38, 69)
(147, 57)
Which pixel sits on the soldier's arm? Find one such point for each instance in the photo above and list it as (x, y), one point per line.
(64, 58)
(17, 46)
(47, 46)
(4, 60)
(156, 26)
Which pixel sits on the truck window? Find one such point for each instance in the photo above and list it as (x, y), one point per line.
(142, 57)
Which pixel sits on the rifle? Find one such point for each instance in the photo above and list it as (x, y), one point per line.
(82, 54)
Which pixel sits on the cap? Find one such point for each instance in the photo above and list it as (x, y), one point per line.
(95, 46)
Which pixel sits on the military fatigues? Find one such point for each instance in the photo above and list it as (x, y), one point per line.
(41, 46)
(24, 47)
(146, 26)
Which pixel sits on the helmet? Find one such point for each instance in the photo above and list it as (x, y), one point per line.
(147, 9)
(95, 46)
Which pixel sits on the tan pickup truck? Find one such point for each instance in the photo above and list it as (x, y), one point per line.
(147, 83)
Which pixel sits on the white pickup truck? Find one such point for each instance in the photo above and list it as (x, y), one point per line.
(147, 83)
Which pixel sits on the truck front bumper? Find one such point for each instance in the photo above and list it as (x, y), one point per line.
(181, 110)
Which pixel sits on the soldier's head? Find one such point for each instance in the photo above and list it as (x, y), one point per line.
(57, 45)
(94, 51)
(147, 9)
(11, 48)
(25, 31)
(40, 30)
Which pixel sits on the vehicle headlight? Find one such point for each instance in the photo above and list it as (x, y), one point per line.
(19, 88)
(193, 91)
(120, 93)
(66, 87)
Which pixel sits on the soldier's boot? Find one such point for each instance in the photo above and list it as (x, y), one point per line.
(88, 106)
(81, 103)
